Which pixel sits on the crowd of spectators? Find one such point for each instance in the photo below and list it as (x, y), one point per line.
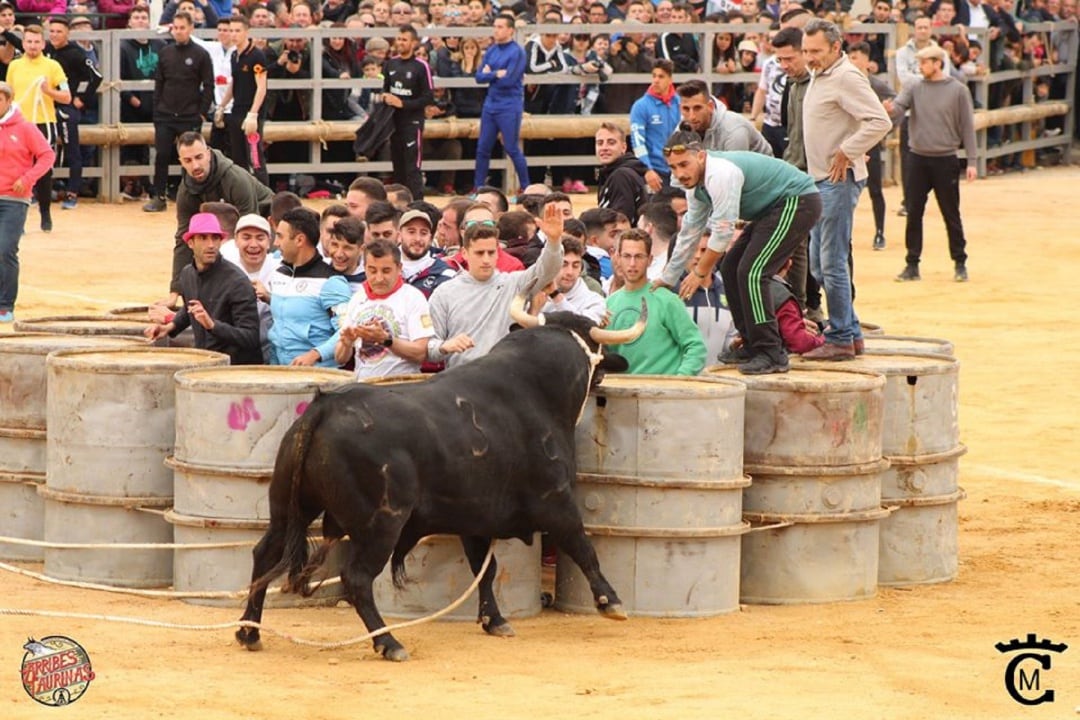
(597, 57)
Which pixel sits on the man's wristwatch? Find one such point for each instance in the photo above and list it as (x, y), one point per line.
(388, 341)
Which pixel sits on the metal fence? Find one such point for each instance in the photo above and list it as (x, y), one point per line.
(109, 42)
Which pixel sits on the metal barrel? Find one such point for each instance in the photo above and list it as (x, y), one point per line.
(83, 325)
(810, 417)
(813, 451)
(229, 425)
(438, 571)
(23, 432)
(815, 536)
(919, 540)
(921, 440)
(228, 568)
(906, 345)
(111, 420)
(659, 487)
(141, 313)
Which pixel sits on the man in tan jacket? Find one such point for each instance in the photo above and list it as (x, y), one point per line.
(842, 120)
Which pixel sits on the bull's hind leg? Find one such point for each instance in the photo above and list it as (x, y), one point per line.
(369, 551)
(489, 617)
(568, 532)
(267, 553)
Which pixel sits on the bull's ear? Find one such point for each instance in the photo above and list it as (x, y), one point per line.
(614, 362)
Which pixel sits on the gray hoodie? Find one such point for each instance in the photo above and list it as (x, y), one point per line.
(481, 310)
(731, 131)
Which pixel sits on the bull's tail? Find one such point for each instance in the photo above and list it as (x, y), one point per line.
(290, 464)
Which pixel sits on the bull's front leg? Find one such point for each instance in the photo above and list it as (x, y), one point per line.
(489, 616)
(569, 535)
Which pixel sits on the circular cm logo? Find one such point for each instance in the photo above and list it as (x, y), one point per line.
(55, 670)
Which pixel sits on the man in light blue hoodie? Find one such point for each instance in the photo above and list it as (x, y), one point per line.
(653, 118)
(503, 68)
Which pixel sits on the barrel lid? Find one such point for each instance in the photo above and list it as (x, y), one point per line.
(261, 378)
(906, 344)
(120, 360)
(929, 364)
(668, 386)
(38, 343)
(140, 313)
(398, 379)
(808, 378)
(83, 325)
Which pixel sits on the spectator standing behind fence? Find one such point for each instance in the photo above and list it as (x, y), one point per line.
(25, 156)
(83, 79)
(38, 83)
(138, 61)
(502, 69)
(652, 120)
(221, 51)
(10, 41)
(408, 88)
(183, 95)
(842, 121)
(859, 54)
(942, 120)
(680, 48)
(246, 94)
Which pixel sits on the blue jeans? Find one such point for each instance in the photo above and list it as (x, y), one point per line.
(830, 248)
(12, 221)
(494, 121)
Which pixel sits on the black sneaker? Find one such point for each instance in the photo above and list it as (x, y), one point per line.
(46, 224)
(879, 241)
(157, 204)
(762, 364)
(961, 273)
(911, 272)
(734, 356)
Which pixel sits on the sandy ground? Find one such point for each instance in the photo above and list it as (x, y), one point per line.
(923, 652)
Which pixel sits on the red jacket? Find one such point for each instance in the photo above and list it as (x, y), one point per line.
(24, 154)
(797, 339)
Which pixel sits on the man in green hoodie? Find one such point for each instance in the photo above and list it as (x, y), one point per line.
(208, 176)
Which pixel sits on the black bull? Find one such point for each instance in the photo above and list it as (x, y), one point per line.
(483, 451)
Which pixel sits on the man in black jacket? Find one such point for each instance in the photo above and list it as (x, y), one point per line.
(220, 304)
(183, 94)
(407, 87)
(622, 175)
(83, 79)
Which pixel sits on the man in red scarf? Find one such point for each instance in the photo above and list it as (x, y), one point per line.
(387, 323)
(652, 120)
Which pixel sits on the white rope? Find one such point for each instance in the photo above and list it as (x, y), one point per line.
(137, 592)
(5, 540)
(247, 623)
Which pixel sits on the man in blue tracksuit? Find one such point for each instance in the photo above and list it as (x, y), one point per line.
(503, 67)
(653, 118)
(305, 296)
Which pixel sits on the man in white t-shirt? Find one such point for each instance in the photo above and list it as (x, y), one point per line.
(249, 250)
(387, 323)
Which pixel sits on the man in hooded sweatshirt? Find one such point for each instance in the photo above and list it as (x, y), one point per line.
(622, 176)
(207, 175)
(719, 128)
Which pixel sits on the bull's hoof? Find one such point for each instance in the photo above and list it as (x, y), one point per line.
(612, 611)
(499, 628)
(249, 639)
(397, 654)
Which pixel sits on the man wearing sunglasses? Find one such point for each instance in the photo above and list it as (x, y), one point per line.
(780, 204)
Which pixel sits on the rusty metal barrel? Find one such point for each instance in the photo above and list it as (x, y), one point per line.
(84, 325)
(439, 573)
(813, 451)
(111, 417)
(23, 431)
(921, 440)
(659, 486)
(141, 313)
(229, 424)
(906, 345)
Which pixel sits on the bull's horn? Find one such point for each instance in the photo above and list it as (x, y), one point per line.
(518, 314)
(621, 337)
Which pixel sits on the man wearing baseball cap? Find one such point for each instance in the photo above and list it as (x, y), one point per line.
(250, 251)
(421, 269)
(220, 298)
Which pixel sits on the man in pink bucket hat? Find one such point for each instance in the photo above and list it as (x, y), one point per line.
(221, 308)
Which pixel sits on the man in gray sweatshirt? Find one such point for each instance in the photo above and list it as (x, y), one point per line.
(471, 312)
(942, 119)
